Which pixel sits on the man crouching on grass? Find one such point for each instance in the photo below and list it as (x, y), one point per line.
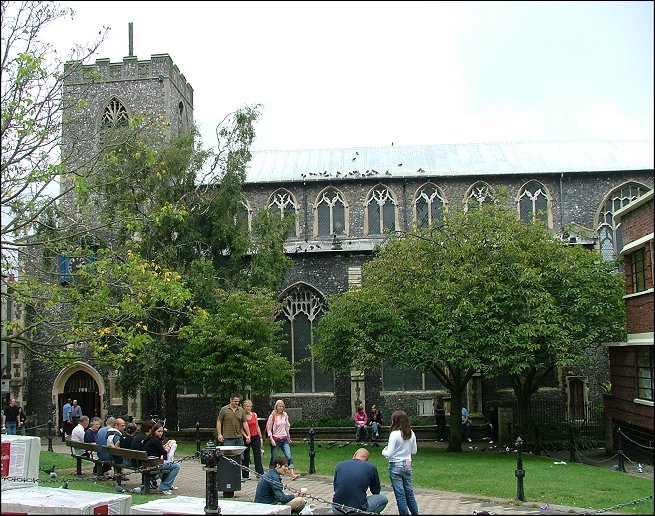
(269, 487)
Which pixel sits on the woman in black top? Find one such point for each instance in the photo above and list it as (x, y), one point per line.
(155, 450)
(141, 436)
(375, 420)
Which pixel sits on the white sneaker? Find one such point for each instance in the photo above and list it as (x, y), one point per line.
(470, 440)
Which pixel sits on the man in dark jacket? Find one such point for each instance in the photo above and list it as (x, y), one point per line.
(12, 417)
(352, 479)
(269, 487)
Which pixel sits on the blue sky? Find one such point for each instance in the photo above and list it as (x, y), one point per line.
(351, 74)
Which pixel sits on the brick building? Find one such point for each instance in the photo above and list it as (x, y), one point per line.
(344, 200)
(629, 406)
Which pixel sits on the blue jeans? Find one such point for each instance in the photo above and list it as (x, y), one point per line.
(375, 429)
(467, 430)
(234, 441)
(359, 430)
(11, 427)
(286, 449)
(376, 504)
(400, 474)
(169, 472)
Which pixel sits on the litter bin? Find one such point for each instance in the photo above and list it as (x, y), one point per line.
(229, 474)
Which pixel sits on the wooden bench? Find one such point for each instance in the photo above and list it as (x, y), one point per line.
(140, 458)
(141, 463)
(92, 456)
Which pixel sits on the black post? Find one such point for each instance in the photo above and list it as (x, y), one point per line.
(209, 458)
(50, 435)
(621, 466)
(572, 455)
(520, 472)
(537, 441)
(312, 452)
(198, 438)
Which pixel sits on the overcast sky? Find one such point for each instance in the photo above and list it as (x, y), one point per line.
(351, 74)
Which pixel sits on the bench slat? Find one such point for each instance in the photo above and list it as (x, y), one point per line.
(128, 454)
(140, 456)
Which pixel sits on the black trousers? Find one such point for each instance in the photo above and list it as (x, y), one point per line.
(256, 447)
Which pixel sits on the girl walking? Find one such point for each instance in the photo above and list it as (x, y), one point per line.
(279, 435)
(256, 443)
(399, 451)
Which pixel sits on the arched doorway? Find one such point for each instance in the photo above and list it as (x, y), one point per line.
(82, 383)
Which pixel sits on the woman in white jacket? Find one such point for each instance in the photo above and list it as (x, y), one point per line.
(399, 451)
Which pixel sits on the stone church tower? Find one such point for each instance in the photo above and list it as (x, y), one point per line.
(97, 97)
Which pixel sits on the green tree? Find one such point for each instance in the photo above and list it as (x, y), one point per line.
(37, 174)
(481, 292)
(234, 347)
(159, 205)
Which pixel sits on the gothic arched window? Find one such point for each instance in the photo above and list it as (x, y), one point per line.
(381, 212)
(609, 232)
(480, 193)
(302, 307)
(243, 214)
(283, 202)
(534, 202)
(428, 207)
(330, 213)
(114, 116)
(181, 116)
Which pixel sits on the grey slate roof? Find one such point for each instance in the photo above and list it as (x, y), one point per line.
(450, 160)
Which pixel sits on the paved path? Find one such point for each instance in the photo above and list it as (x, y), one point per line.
(192, 478)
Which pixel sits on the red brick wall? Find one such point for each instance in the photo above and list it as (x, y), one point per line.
(637, 223)
(623, 375)
(640, 312)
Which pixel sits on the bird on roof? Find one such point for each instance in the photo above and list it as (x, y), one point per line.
(354, 159)
(400, 164)
(356, 153)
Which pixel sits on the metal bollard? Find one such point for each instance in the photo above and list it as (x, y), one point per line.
(312, 452)
(198, 438)
(537, 441)
(50, 435)
(621, 466)
(209, 457)
(572, 455)
(520, 472)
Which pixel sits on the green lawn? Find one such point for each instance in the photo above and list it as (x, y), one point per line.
(492, 476)
(480, 474)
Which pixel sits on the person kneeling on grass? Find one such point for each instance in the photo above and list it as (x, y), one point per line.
(269, 487)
